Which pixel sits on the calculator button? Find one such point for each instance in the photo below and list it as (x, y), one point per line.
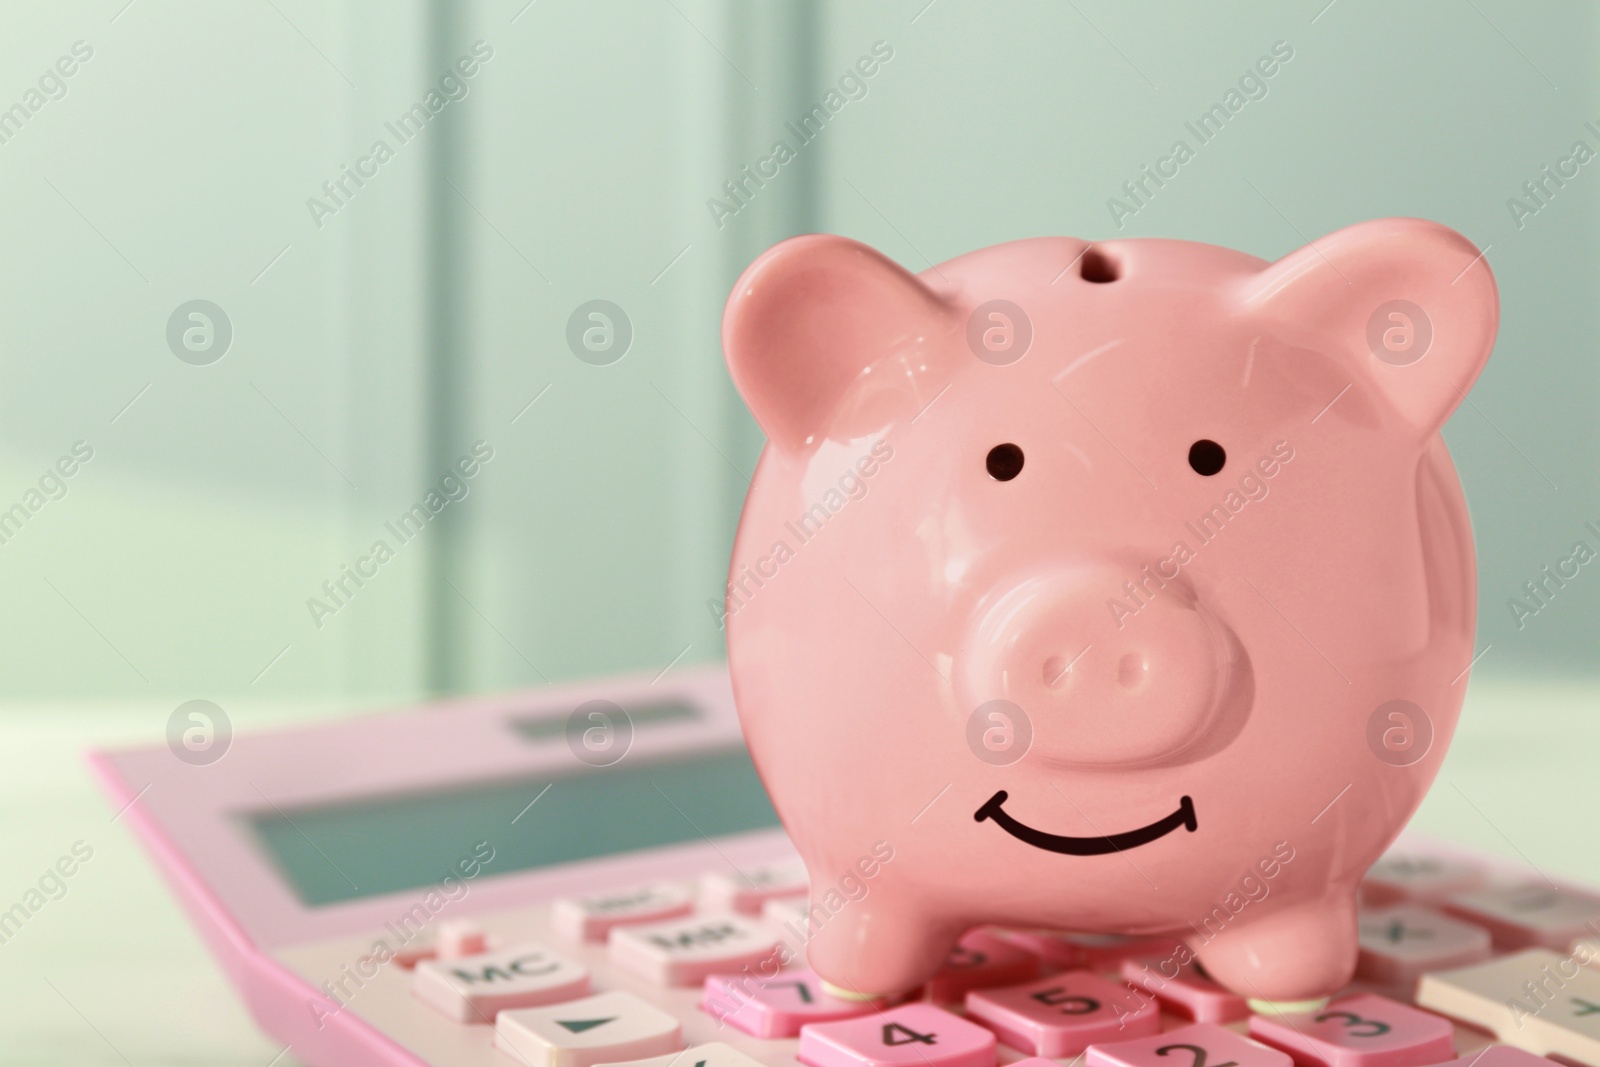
(1424, 879)
(912, 1035)
(1499, 1056)
(1360, 1031)
(687, 952)
(460, 937)
(1053, 949)
(1536, 914)
(981, 959)
(1098, 951)
(1064, 1014)
(606, 1028)
(474, 990)
(789, 912)
(779, 1006)
(712, 1054)
(1200, 1045)
(744, 891)
(1537, 1000)
(405, 958)
(591, 918)
(1399, 943)
(1185, 990)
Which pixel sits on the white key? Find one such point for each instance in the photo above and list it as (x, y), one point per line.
(1400, 944)
(745, 891)
(1533, 914)
(591, 918)
(787, 911)
(684, 952)
(1538, 1000)
(476, 989)
(606, 1028)
(461, 937)
(1425, 879)
(713, 1054)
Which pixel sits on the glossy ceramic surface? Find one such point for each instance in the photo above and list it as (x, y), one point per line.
(1116, 588)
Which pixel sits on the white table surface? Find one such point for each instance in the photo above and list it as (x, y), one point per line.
(112, 974)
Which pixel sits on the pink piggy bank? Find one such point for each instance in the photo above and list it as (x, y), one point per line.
(1123, 587)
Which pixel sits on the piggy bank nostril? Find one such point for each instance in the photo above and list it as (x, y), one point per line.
(1055, 671)
(1132, 669)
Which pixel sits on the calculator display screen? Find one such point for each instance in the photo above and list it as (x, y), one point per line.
(384, 844)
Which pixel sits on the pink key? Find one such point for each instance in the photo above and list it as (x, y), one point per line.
(1064, 1014)
(1200, 1045)
(1498, 1056)
(1399, 944)
(1098, 951)
(912, 1035)
(1093, 951)
(1361, 1031)
(777, 1007)
(981, 959)
(1185, 989)
(1054, 949)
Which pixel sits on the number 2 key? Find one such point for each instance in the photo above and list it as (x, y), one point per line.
(1200, 1045)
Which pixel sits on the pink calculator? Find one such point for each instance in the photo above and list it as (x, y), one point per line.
(592, 874)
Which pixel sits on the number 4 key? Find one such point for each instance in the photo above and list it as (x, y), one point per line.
(912, 1035)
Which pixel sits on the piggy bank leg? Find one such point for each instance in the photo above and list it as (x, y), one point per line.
(875, 948)
(1291, 959)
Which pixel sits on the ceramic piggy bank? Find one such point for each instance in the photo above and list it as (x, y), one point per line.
(1123, 587)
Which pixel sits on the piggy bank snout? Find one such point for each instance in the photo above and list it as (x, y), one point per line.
(1101, 684)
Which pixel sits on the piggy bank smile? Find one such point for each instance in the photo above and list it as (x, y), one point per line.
(1086, 846)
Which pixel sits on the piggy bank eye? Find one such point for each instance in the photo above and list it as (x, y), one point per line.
(1206, 457)
(1004, 462)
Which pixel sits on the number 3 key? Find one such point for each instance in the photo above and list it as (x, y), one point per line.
(1360, 1031)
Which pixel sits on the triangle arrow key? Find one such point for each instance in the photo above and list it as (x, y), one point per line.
(578, 1026)
(612, 1027)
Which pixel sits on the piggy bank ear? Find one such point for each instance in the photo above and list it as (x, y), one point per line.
(810, 319)
(1412, 304)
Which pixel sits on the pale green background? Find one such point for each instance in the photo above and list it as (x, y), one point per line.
(429, 312)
